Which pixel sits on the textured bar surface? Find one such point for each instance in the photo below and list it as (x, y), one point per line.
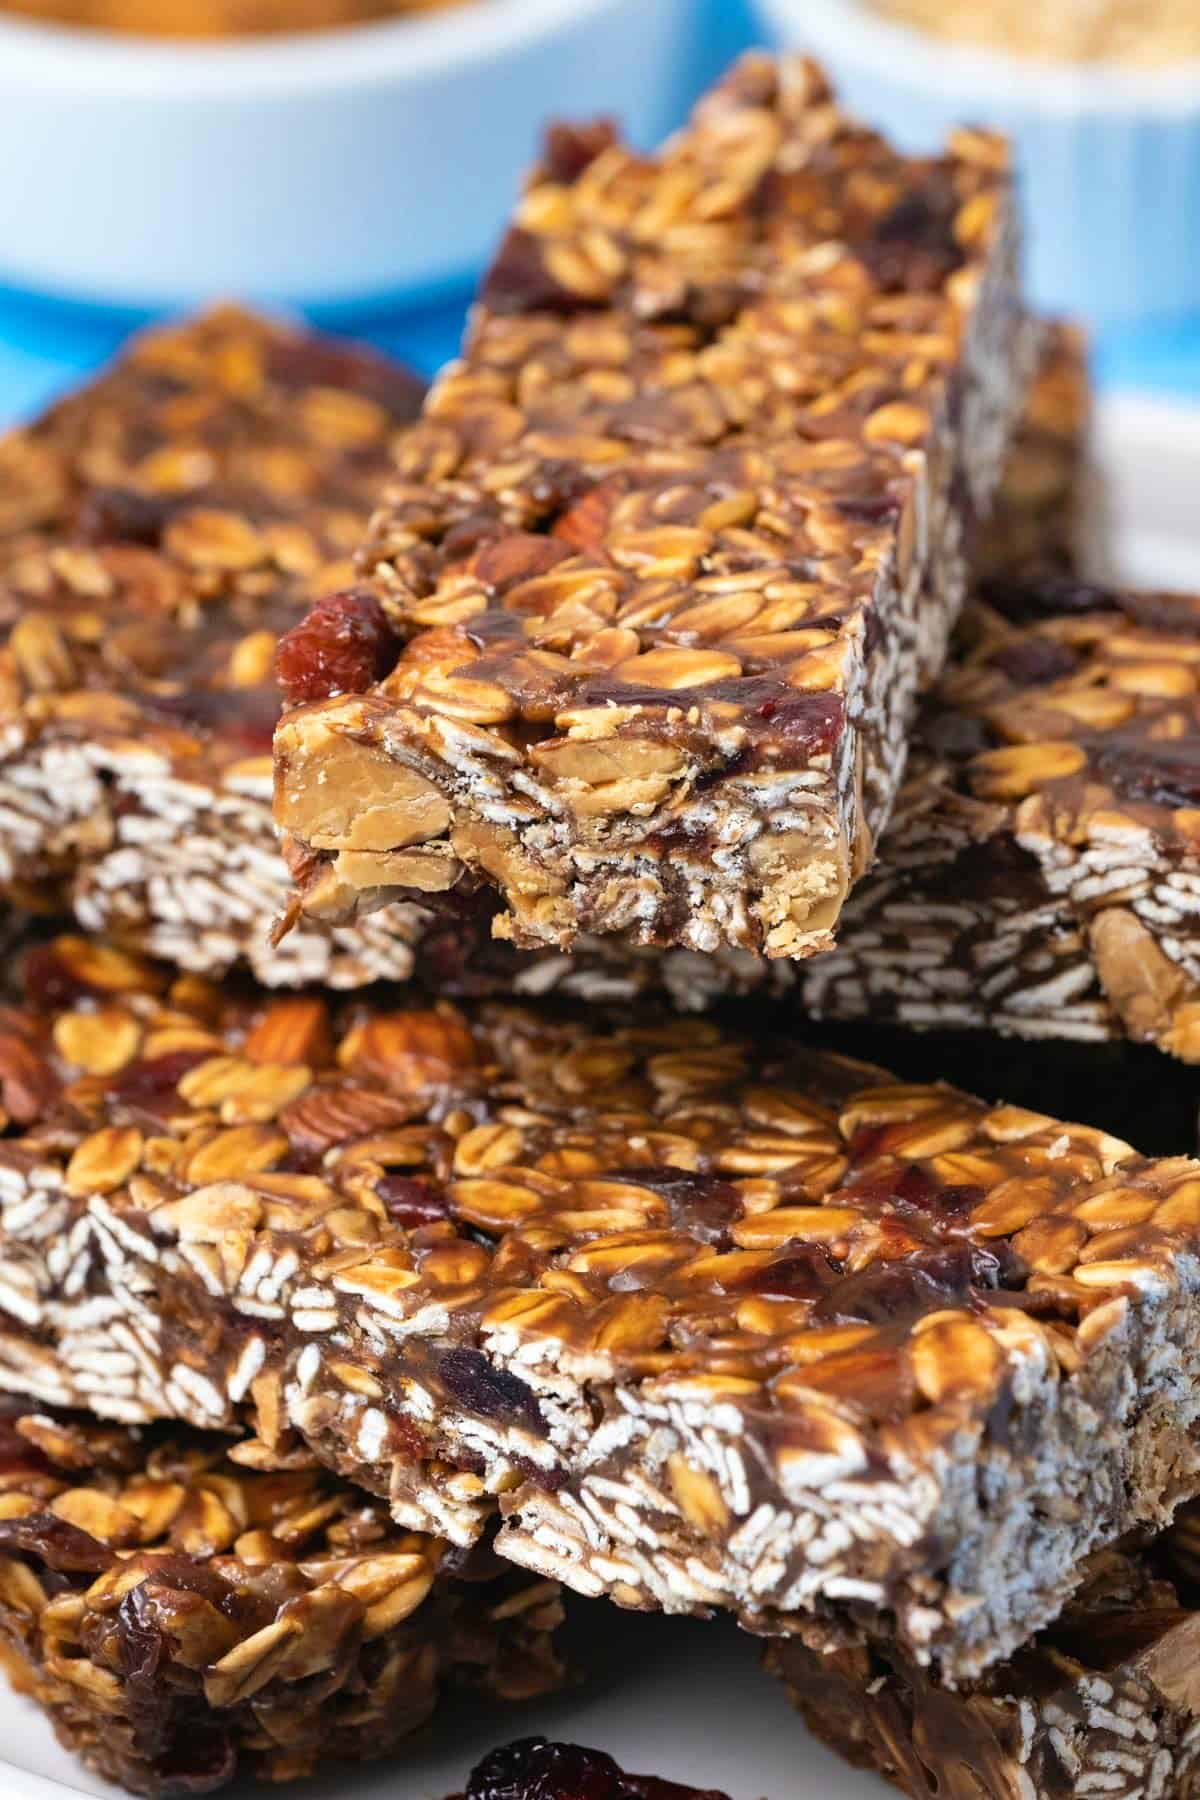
(183, 1617)
(1042, 875)
(158, 530)
(677, 541)
(1104, 1702)
(719, 1324)
(1033, 534)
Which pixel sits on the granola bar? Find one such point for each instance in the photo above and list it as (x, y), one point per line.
(1035, 531)
(678, 539)
(720, 1323)
(158, 530)
(1104, 1701)
(182, 1616)
(1042, 875)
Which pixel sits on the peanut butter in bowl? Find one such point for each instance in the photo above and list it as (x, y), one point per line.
(215, 18)
(1149, 33)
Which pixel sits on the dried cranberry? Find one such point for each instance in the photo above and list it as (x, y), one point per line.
(319, 362)
(492, 1393)
(1161, 773)
(568, 149)
(807, 721)
(1034, 661)
(702, 1205)
(115, 515)
(410, 1202)
(782, 720)
(519, 281)
(343, 645)
(533, 1769)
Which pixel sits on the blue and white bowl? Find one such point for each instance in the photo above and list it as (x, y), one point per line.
(1109, 156)
(314, 169)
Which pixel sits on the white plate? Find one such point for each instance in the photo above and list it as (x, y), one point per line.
(674, 1697)
(685, 1698)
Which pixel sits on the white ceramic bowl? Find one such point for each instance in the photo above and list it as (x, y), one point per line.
(1109, 156)
(316, 168)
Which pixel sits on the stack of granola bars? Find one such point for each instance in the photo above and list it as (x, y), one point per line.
(394, 1229)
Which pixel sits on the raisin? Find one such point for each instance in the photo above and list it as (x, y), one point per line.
(534, 1769)
(1160, 773)
(242, 716)
(918, 1191)
(1178, 614)
(492, 1393)
(519, 281)
(343, 645)
(148, 1088)
(410, 1202)
(1045, 595)
(1032, 662)
(869, 509)
(116, 515)
(702, 1205)
(567, 150)
(52, 1541)
(956, 736)
(49, 981)
(897, 1293)
(316, 362)
(800, 1274)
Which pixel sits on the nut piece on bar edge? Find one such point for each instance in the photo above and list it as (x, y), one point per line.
(717, 1324)
(1105, 1701)
(182, 1615)
(676, 542)
(158, 531)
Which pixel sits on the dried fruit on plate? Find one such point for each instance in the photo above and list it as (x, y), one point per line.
(535, 1769)
(716, 1322)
